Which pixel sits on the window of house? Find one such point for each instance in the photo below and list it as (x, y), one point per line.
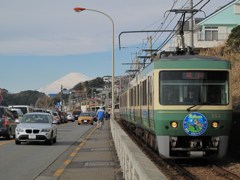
(211, 33)
(237, 8)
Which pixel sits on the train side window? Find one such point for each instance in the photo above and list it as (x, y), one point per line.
(150, 90)
(137, 95)
(134, 96)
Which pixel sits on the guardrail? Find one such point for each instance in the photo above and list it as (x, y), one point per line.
(134, 163)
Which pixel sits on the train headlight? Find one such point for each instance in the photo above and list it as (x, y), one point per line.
(174, 124)
(215, 124)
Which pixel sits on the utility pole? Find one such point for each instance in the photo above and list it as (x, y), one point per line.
(61, 98)
(191, 25)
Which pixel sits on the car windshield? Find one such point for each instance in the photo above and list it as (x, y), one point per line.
(76, 112)
(35, 118)
(93, 114)
(85, 114)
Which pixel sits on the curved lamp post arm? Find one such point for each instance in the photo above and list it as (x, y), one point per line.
(79, 9)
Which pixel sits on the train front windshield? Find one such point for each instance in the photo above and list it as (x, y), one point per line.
(194, 87)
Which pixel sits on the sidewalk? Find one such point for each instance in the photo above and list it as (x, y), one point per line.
(95, 159)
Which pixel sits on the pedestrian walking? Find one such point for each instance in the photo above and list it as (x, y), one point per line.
(100, 116)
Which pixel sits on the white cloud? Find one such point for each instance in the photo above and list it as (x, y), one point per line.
(53, 28)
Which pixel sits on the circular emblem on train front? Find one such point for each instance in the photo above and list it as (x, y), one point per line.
(195, 124)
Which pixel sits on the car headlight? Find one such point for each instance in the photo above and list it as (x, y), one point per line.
(46, 130)
(19, 130)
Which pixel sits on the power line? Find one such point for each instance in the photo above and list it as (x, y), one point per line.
(195, 11)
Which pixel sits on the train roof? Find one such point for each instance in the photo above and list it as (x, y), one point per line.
(191, 58)
(186, 62)
(190, 62)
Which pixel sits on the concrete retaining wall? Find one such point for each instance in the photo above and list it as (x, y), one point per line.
(134, 163)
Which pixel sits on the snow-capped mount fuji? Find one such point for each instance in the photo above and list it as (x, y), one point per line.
(68, 82)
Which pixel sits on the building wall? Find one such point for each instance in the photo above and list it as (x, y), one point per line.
(225, 20)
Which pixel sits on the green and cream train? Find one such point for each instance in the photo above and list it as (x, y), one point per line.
(181, 106)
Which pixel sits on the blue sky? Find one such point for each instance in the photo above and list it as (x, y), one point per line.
(42, 41)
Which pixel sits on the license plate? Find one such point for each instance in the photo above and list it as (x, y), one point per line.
(85, 120)
(32, 136)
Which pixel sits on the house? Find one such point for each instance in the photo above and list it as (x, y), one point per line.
(210, 31)
(107, 79)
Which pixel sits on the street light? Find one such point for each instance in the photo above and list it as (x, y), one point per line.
(79, 9)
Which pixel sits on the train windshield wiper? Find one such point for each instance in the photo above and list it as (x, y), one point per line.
(189, 108)
(201, 103)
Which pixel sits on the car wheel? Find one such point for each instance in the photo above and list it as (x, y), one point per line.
(50, 141)
(17, 142)
(55, 139)
(8, 136)
(79, 124)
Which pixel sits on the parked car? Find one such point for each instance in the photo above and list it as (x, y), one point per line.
(7, 123)
(24, 108)
(85, 118)
(50, 112)
(37, 126)
(17, 113)
(63, 116)
(70, 117)
(56, 117)
(94, 116)
(76, 114)
(40, 110)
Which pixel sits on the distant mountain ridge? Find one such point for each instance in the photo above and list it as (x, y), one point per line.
(68, 82)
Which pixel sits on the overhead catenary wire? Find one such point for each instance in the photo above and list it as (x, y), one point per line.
(170, 35)
(174, 18)
(173, 34)
(168, 23)
(144, 44)
(162, 23)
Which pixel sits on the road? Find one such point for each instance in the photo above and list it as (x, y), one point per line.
(31, 160)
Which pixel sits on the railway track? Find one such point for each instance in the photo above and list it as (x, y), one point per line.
(168, 167)
(188, 169)
(209, 171)
(225, 173)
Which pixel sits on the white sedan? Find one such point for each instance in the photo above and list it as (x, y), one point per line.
(70, 117)
(38, 127)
